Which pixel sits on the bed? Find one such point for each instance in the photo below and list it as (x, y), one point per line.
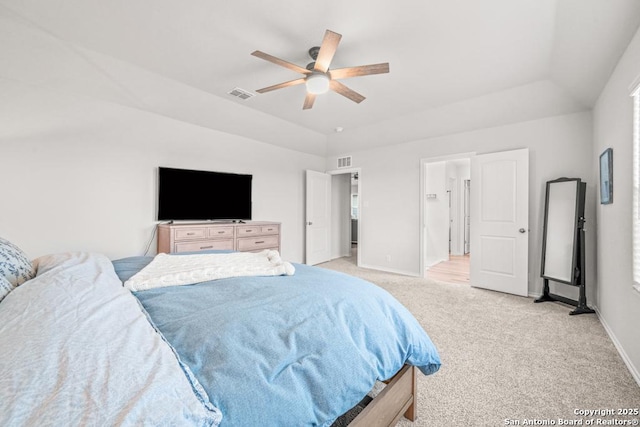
(80, 348)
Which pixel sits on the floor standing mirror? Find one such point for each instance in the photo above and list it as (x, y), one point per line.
(563, 248)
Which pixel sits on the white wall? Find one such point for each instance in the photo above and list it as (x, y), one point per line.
(80, 175)
(436, 214)
(457, 172)
(559, 146)
(618, 303)
(82, 136)
(463, 173)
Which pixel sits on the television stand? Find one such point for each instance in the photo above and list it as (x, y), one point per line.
(249, 236)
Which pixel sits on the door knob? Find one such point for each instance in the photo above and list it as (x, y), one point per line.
(309, 223)
(522, 230)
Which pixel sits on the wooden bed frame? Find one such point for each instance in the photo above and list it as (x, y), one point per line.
(398, 398)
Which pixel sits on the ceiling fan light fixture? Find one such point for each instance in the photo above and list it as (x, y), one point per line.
(317, 83)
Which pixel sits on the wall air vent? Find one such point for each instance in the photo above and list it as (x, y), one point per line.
(241, 93)
(344, 162)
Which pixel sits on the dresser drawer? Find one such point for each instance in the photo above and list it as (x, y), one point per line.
(249, 230)
(190, 233)
(220, 232)
(204, 245)
(270, 229)
(256, 243)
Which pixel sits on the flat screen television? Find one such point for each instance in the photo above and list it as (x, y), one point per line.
(185, 194)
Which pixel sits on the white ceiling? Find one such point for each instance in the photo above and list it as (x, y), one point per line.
(455, 65)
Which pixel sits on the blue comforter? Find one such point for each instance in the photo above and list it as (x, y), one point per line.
(288, 350)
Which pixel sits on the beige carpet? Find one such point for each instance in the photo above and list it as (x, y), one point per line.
(506, 358)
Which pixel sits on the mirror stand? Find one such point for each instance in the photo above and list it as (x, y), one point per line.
(563, 246)
(581, 304)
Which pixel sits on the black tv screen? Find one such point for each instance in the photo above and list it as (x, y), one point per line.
(185, 194)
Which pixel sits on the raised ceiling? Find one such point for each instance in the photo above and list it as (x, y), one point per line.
(455, 65)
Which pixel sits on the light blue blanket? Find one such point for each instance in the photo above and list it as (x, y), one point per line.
(289, 350)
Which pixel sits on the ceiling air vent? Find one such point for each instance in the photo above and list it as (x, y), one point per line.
(344, 162)
(241, 93)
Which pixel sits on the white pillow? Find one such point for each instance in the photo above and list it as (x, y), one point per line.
(15, 266)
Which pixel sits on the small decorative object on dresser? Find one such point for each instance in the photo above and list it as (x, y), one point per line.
(244, 236)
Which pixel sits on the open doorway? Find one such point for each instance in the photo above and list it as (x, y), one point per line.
(329, 207)
(345, 215)
(446, 215)
(354, 216)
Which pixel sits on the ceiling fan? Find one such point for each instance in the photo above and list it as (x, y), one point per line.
(317, 76)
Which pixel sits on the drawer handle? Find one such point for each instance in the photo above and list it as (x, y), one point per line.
(206, 247)
(260, 242)
(248, 231)
(190, 234)
(221, 232)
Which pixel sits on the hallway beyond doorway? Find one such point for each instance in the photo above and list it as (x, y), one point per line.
(456, 270)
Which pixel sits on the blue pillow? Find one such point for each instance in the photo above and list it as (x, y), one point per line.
(15, 266)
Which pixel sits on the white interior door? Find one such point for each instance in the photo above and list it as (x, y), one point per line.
(500, 221)
(318, 217)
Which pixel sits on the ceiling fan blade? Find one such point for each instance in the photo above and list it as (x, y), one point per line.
(338, 87)
(363, 70)
(281, 85)
(280, 62)
(327, 50)
(308, 101)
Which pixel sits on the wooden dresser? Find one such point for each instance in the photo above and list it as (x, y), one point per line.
(245, 237)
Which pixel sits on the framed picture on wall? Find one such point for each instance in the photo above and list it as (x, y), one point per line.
(606, 177)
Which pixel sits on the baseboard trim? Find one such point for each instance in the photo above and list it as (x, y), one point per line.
(627, 361)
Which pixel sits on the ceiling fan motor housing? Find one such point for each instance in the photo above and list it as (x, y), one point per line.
(313, 53)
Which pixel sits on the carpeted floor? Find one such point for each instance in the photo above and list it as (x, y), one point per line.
(506, 358)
